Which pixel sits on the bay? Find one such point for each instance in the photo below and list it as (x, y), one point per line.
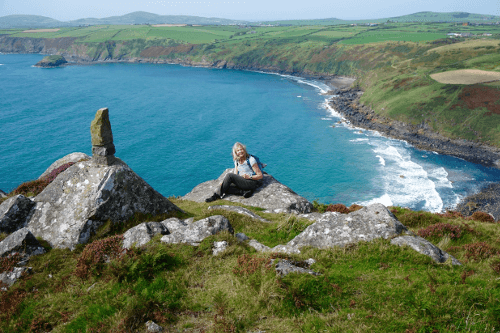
(175, 127)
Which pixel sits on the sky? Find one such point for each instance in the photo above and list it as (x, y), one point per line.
(251, 10)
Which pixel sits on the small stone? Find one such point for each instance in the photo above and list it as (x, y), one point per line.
(104, 160)
(219, 247)
(241, 237)
(106, 150)
(153, 327)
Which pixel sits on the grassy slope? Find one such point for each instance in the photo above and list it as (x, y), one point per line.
(392, 61)
(372, 287)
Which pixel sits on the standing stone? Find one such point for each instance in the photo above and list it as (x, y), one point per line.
(103, 149)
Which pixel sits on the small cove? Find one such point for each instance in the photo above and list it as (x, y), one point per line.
(175, 127)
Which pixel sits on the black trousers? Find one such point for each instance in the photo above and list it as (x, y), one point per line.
(235, 184)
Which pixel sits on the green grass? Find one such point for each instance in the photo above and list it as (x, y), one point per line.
(369, 286)
(374, 36)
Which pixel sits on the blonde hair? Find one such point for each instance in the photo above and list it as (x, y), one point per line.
(235, 146)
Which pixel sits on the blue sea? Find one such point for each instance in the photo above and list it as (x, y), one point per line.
(175, 127)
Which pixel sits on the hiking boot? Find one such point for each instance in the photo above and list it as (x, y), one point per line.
(247, 194)
(214, 197)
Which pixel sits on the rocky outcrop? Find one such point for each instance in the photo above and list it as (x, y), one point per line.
(425, 247)
(487, 200)
(70, 158)
(272, 196)
(3, 194)
(89, 193)
(14, 213)
(240, 210)
(85, 196)
(52, 61)
(421, 136)
(22, 242)
(335, 229)
(194, 233)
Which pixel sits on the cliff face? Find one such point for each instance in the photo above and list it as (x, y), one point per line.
(34, 45)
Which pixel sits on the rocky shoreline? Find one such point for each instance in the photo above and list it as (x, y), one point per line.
(347, 103)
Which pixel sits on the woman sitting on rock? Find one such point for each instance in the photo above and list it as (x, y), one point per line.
(245, 177)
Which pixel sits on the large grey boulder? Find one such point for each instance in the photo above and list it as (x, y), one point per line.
(70, 158)
(22, 242)
(194, 233)
(272, 196)
(143, 233)
(239, 210)
(14, 212)
(334, 229)
(425, 247)
(88, 194)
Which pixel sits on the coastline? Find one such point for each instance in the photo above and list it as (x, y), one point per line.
(347, 103)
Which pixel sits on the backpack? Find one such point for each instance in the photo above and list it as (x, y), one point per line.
(259, 163)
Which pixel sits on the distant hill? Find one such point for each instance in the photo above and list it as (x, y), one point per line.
(416, 17)
(29, 21)
(35, 21)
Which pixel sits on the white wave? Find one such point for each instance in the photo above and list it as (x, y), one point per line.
(384, 200)
(381, 160)
(1, 64)
(299, 96)
(359, 140)
(405, 182)
(331, 110)
(440, 176)
(323, 88)
(326, 118)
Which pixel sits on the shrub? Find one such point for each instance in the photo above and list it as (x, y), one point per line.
(483, 217)
(478, 251)
(450, 214)
(441, 230)
(340, 208)
(248, 265)
(95, 254)
(415, 219)
(354, 207)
